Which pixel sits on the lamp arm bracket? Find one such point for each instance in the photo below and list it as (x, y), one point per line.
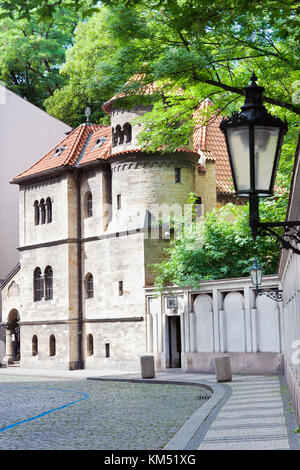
(288, 240)
(272, 294)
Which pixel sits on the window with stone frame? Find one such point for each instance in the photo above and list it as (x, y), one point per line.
(43, 211)
(121, 291)
(88, 203)
(119, 201)
(89, 285)
(34, 346)
(38, 285)
(177, 175)
(36, 213)
(49, 210)
(90, 345)
(119, 135)
(48, 276)
(127, 129)
(52, 346)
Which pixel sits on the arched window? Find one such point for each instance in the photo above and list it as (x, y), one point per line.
(52, 346)
(90, 345)
(38, 287)
(48, 283)
(36, 213)
(114, 138)
(89, 283)
(49, 209)
(88, 201)
(119, 135)
(34, 346)
(43, 211)
(127, 132)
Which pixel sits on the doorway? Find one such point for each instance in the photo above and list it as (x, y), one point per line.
(13, 337)
(174, 336)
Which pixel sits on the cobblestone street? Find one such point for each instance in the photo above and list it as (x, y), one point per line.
(67, 412)
(91, 415)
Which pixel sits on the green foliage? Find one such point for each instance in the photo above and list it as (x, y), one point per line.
(32, 52)
(191, 50)
(219, 246)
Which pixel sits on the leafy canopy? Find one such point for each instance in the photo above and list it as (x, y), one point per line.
(220, 246)
(32, 53)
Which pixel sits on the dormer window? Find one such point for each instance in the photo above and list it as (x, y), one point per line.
(58, 151)
(99, 142)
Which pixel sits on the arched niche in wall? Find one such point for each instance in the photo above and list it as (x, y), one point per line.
(267, 326)
(233, 324)
(13, 290)
(203, 308)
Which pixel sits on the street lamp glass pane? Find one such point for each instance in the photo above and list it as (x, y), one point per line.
(265, 143)
(238, 139)
(256, 276)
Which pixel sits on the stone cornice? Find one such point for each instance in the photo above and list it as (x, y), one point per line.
(84, 320)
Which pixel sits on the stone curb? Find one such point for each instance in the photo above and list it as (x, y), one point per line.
(183, 437)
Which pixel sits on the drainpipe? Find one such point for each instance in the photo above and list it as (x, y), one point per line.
(79, 264)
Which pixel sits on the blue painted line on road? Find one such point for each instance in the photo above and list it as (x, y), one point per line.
(85, 396)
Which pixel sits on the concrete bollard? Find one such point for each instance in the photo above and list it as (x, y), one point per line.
(147, 367)
(223, 369)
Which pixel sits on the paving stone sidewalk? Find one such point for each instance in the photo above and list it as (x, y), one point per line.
(253, 418)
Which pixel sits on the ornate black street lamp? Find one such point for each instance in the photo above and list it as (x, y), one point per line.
(254, 138)
(256, 278)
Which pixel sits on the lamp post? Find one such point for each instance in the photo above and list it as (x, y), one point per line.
(256, 274)
(254, 138)
(256, 278)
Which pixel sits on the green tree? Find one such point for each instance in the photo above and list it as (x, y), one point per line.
(31, 53)
(193, 50)
(219, 246)
(87, 73)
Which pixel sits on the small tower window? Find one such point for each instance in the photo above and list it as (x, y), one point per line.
(34, 345)
(38, 287)
(119, 201)
(36, 213)
(127, 132)
(48, 283)
(107, 350)
(119, 135)
(114, 138)
(177, 175)
(121, 292)
(52, 346)
(89, 280)
(90, 345)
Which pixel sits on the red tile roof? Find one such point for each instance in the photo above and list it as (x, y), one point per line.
(211, 141)
(80, 148)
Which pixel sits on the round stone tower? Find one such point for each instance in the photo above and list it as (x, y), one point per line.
(143, 180)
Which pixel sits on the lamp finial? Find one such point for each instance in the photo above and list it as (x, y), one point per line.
(253, 78)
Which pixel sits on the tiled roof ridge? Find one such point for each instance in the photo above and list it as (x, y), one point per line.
(51, 150)
(75, 149)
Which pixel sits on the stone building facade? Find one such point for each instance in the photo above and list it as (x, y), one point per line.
(188, 328)
(77, 298)
(289, 274)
